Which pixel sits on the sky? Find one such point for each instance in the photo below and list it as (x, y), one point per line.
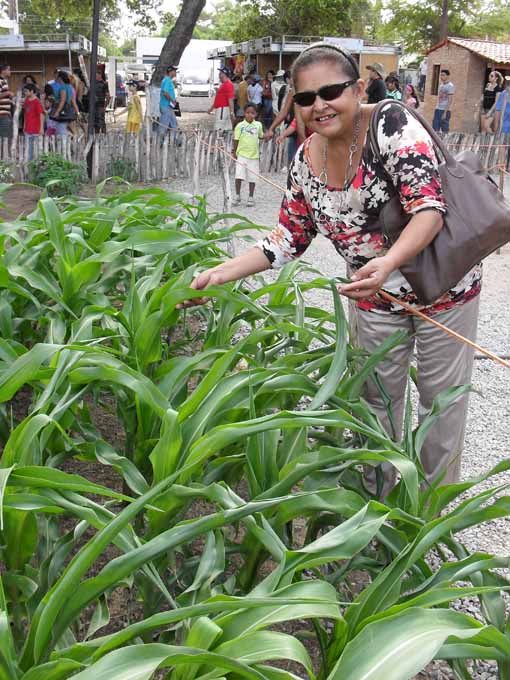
(126, 29)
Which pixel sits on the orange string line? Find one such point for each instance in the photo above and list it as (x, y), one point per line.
(454, 334)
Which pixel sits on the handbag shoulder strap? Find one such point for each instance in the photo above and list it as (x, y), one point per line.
(439, 146)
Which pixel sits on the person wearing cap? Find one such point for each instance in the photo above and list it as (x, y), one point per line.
(276, 86)
(167, 102)
(223, 105)
(376, 89)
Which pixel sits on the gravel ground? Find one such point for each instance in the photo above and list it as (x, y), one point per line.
(489, 415)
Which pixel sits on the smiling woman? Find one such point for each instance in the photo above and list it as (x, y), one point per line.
(337, 187)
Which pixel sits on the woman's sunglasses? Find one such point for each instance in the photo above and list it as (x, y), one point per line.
(327, 93)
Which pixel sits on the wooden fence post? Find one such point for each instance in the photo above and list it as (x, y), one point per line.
(15, 125)
(148, 129)
(223, 161)
(196, 167)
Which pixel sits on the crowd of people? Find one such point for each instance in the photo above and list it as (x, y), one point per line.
(55, 108)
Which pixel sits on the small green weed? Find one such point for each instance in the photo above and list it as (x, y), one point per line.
(122, 167)
(57, 175)
(5, 172)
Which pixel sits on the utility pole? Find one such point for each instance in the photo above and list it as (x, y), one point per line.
(92, 88)
(443, 30)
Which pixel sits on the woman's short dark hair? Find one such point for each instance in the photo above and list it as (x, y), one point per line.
(320, 52)
(64, 77)
(445, 71)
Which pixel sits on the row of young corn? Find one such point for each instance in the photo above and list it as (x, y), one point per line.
(230, 521)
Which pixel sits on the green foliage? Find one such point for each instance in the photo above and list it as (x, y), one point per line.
(418, 24)
(233, 503)
(57, 175)
(256, 19)
(6, 175)
(122, 167)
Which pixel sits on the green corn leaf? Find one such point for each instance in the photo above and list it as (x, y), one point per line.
(202, 635)
(307, 599)
(340, 543)
(4, 476)
(100, 618)
(141, 661)
(339, 362)
(165, 455)
(270, 613)
(53, 670)
(8, 665)
(402, 645)
(51, 478)
(266, 645)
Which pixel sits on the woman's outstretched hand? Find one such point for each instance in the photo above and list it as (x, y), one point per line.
(368, 280)
(251, 261)
(211, 277)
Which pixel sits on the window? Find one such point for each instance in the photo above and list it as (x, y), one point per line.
(435, 79)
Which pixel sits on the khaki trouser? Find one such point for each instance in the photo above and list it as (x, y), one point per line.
(442, 362)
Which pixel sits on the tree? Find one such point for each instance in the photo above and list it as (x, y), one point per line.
(39, 17)
(258, 18)
(418, 24)
(178, 38)
(493, 24)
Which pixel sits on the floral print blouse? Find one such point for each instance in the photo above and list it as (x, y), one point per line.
(348, 219)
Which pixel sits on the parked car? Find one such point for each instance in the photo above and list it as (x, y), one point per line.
(194, 86)
(120, 91)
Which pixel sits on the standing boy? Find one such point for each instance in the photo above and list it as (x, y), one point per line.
(33, 125)
(441, 122)
(247, 136)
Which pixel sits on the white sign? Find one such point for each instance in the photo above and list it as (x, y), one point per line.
(351, 44)
(12, 40)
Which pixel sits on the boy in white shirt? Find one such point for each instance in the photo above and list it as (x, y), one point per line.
(247, 136)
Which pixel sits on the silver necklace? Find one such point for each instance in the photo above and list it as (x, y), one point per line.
(323, 177)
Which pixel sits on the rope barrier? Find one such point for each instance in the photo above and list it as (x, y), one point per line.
(384, 294)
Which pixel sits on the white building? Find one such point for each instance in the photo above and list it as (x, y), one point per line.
(193, 60)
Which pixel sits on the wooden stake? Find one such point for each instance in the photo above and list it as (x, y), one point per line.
(148, 129)
(227, 193)
(196, 167)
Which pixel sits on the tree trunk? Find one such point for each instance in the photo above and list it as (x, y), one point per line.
(178, 38)
(443, 29)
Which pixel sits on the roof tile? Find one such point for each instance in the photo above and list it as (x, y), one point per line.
(493, 51)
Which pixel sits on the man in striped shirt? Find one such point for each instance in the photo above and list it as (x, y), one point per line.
(6, 102)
